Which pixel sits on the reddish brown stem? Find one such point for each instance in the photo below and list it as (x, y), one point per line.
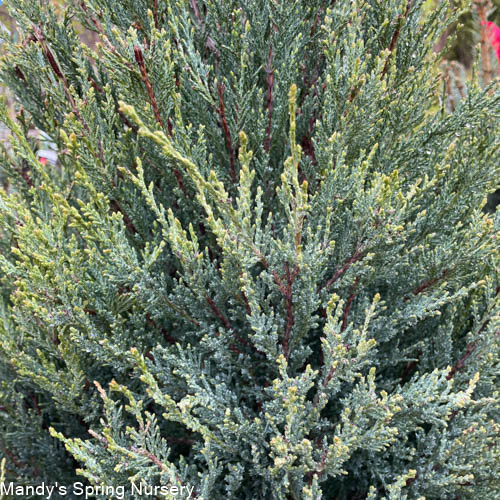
(410, 367)
(400, 20)
(348, 305)
(469, 349)
(14, 459)
(216, 311)
(286, 291)
(26, 176)
(225, 321)
(196, 11)
(126, 219)
(225, 128)
(155, 13)
(247, 305)
(20, 74)
(149, 88)
(358, 255)
(427, 284)
(152, 99)
(38, 35)
(269, 99)
(100, 29)
(459, 365)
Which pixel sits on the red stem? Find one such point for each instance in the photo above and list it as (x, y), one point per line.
(358, 255)
(269, 99)
(227, 133)
(395, 36)
(149, 88)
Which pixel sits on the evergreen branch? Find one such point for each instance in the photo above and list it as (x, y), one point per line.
(209, 44)
(150, 456)
(155, 13)
(196, 10)
(286, 291)
(149, 88)
(168, 338)
(427, 284)
(101, 439)
(152, 99)
(225, 321)
(39, 36)
(126, 219)
(124, 119)
(269, 99)
(153, 458)
(469, 350)
(460, 364)
(358, 255)
(395, 37)
(221, 110)
(348, 305)
(216, 311)
(100, 29)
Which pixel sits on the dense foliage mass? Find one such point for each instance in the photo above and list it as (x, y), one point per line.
(260, 267)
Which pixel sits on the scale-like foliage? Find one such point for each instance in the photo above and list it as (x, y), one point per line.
(261, 266)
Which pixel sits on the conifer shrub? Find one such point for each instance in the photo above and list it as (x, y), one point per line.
(260, 267)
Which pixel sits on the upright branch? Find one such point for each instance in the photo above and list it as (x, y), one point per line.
(427, 284)
(348, 305)
(99, 28)
(155, 13)
(269, 99)
(227, 324)
(149, 88)
(40, 38)
(286, 291)
(469, 350)
(209, 44)
(358, 255)
(222, 113)
(394, 41)
(152, 99)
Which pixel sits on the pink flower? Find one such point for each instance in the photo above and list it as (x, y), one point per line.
(493, 33)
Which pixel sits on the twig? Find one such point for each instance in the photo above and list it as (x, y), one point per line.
(100, 29)
(459, 365)
(225, 321)
(286, 291)
(400, 20)
(152, 99)
(149, 88)
(269, 99)
(410, 367)
(348, 305)
(155, 13)
(222, 113)
(126, 219)
(216, 311)
(38, 34)
(358, 255)
(427, 284)
(209, 44)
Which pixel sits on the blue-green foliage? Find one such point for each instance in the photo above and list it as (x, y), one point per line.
(261, 267)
